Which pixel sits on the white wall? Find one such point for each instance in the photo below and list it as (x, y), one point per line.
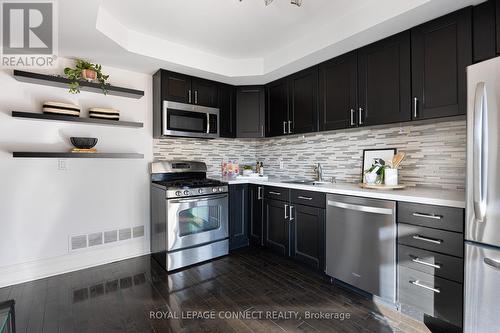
(41, 206)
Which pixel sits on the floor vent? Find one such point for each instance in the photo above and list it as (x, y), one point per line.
(110, 236)
(138, 231)
(124, 234)
(97, 239)
(78, 242)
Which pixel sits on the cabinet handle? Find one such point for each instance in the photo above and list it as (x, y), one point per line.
(360, 120)
(284, 127)
(275, 193)
(352, 117)
(427, 216)
(291, 213)
(286, 209)
(259, 192)
(429, 240)
(415, 107)
(304, 198)
(262, 130)
(196, 97)
(189, 95)
(289, 127)
(425, 263)
(419, 284)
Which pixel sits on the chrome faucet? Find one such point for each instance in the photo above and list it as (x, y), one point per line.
(319, 172)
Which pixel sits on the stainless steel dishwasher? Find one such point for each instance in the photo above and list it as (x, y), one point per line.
(361, 243)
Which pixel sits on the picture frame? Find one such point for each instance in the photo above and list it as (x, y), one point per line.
(369, 155)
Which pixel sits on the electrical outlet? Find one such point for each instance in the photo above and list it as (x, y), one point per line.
(282, 164)
(61, 165)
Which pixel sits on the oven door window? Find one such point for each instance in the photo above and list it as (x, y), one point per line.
(186, 121)
(195, 220)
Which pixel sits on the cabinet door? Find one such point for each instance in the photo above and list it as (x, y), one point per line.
(256, 211)
(308, 235)
(227, 109)
(277, 226)
(303, 94)
(384, 81)
(441, 51)
(205, 93)
(277, 108)
(484, 31)
(250, 112)
(238, 216)
(176, 87)
(338, 91)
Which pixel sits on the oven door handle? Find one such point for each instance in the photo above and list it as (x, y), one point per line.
(197, 199)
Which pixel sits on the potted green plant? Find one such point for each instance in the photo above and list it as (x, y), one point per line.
(85, 70)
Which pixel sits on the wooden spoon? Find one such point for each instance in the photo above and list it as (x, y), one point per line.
(397, 159)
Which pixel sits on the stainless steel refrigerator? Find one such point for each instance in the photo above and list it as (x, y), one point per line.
(482, 224)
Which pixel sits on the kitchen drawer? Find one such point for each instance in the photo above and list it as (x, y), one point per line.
(432, 295)
(432, 263)
(439, 217)
(446, 242)
(277, 193)
(308, 198)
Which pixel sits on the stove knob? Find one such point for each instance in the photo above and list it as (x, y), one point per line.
(221, 189)
(178, 193)
(214, 189)
(186, 192)
(200, 191)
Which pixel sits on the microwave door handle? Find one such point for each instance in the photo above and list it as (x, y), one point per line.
(480, 151)
(208, 123)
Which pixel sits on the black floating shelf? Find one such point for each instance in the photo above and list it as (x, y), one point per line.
(27, 154)
(61, 82)
(55, 117)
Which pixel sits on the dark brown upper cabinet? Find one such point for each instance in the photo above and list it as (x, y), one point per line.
(303, 105)
(277, 108)
(384, 83)
(187, 89)
(441, 51)
(176, 87)
(250, 112)
(227, 111)
(292, 104)
(205, 92)
(484, 31)
(338, 92)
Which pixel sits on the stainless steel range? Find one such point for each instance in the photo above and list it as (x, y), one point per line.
(189, 214)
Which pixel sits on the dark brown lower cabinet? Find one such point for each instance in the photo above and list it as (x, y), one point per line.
(308, 235)
(277, 226)
(256, 211)
(238, 216)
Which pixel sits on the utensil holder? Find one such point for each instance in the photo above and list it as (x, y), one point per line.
(391, 176)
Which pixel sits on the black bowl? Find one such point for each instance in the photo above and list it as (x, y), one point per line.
(83, 143)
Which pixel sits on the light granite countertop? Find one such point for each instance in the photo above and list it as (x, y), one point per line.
(411, 194)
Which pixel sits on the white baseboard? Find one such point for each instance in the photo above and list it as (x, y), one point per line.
(43, 268)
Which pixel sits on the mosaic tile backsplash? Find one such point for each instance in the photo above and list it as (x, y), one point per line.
(436, 153)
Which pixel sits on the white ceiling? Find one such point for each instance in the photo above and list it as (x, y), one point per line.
(231, 41)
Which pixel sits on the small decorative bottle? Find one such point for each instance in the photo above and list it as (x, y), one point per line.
(261, 169)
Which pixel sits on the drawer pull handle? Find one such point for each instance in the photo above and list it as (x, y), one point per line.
(418, 284)
(426, 239)
(304, 198)
(275, 193)
(425, 263)
(428, 216)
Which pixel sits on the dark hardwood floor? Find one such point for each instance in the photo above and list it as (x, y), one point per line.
(122, 296)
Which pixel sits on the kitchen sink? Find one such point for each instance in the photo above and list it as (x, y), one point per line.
(306, 182)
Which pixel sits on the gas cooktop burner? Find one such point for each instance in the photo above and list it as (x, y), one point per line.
(189, 183)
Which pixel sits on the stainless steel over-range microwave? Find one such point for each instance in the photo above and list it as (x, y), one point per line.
(187, 120)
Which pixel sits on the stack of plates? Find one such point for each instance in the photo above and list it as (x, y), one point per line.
(103, 113)
(59, 108)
